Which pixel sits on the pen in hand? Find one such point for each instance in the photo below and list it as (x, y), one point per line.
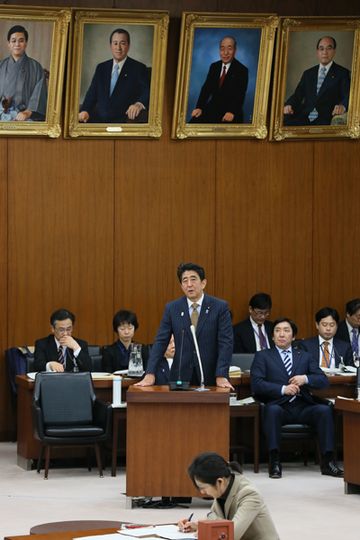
(184, 525)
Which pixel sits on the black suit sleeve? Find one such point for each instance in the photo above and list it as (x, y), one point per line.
(83, 359)
(41, 356)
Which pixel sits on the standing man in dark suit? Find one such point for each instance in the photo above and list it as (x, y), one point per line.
(222, 95)
(326, 349)
(211, 318)
(322, 92)
(120, 88)
(255, 333)
(282, 378)
(60, 351)
(348, 330)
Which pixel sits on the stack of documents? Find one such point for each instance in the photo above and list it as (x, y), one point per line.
(170, 532)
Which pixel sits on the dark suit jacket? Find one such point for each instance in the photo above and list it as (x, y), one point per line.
(343, 332)
(268, 375)
(215, 101)
(334, 91)
(341, 349)
(132, 85)
(244, 338)
(46, 351)
(214, 335)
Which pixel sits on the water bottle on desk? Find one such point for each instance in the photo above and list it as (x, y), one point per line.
(136, 368)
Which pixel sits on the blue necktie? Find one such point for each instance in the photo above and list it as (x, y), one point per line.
(114, 78)
(355, 341)
(287, 361)
(322, 74)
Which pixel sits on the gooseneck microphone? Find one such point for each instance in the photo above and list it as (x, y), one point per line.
(179, 384)
(202, 381)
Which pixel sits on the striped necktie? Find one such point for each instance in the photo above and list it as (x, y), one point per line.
(321, 77)
(325, 357)
(61, 356)
(287, 361)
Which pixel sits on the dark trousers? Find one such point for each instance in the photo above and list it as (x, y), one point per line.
(299, 412)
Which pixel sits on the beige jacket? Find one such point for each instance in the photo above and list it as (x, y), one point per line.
(246, 508)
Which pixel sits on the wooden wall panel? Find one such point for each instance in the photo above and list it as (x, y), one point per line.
(336, 257)
(6, 413)
(165, 214)
(264, 226)
(60, 236)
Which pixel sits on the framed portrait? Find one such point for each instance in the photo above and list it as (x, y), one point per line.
(223, 75)
(316, 82)
(32, 60)
(117, 70)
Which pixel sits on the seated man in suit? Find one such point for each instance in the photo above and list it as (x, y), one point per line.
(348, 330)
(327, 350)
(210, 319)
(120, 88)
(60, 351)
(254, 333)
(322, 92)
(282, 378)
(222, 95)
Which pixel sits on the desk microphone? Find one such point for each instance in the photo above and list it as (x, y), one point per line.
(202, 382)
(179, 384)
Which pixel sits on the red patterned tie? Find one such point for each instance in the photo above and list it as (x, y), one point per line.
(223, 75)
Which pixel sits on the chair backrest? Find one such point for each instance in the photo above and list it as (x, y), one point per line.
(95, 357)
(65, 398)
(243, 361)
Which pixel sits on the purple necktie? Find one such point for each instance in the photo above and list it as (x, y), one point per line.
(61, 355)
(262, 339)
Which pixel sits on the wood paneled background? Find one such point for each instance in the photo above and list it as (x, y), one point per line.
(99, 225)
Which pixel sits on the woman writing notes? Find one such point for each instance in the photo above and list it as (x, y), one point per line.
(234, 498)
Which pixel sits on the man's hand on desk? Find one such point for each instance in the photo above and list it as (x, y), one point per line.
(222, 382)
(148, 380)
(56, 366)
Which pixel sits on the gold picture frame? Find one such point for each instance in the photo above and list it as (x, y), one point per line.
(202, 35)
(34, 108)
(90, 74)
(316, 109)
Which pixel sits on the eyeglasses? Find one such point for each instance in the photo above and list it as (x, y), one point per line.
(262, 312)
(61, 330)
(328, 48)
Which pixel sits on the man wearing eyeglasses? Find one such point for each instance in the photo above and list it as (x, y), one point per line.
(60, 351)
(322, 92)
(255, 333)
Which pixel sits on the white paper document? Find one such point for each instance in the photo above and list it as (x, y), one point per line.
(170, 532)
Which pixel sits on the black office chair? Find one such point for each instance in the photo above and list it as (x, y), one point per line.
(95, 357)
(67, 413)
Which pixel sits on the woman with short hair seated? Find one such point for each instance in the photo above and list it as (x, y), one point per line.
(234, 498)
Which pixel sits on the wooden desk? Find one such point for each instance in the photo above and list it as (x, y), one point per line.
(27, 445)
(351, 422)
(165, 431)
(65, 535)
(250, 411)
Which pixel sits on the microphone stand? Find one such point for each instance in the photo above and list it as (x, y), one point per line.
(202, 382)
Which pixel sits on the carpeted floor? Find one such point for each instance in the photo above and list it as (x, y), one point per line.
(303, 503)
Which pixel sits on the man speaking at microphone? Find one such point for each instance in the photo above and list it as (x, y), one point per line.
(211, 318)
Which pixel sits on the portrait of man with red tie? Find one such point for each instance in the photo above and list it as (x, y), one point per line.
(222, 95)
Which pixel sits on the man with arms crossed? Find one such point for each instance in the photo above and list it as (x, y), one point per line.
(211, 318)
